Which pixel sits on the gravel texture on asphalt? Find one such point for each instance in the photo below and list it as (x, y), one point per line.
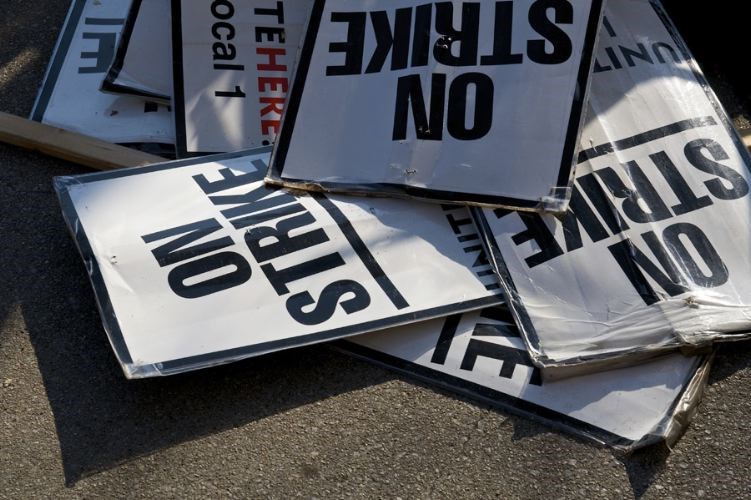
(307, 422)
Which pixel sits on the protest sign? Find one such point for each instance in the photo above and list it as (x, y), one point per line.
(197, 262)
(233, 62)
(70, 97)
(653, 252)
(481, 355)
(473, 102)
(142, 64)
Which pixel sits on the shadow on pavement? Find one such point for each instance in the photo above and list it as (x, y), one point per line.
(644, 467)
(102, 419)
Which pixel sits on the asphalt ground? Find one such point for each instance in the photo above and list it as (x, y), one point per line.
(307, 422)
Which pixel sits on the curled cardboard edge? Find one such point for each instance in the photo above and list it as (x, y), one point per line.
(594, 364)
(545, 205)
(553, 370)
(676, 423)
(668, 430)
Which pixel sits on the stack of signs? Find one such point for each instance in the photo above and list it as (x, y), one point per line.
(648, 256)
(197, 262)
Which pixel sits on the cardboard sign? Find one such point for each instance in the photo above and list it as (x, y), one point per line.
(653, 251)
(70, 97)
(480, 354)
(473, 102)
(233, 63)
(197, 263)
(142, 64)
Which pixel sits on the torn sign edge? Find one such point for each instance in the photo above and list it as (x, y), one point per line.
(553, 369)
(111, 83)
(54, 67)
(110, 321)
(556, 201)
(668, 430)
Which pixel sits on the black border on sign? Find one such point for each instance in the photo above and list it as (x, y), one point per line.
(513, 298)
(112, 325)
(110, 83)
(568, 160)
(178, 87)
(517, 405)
(51, 76)
(56, 61)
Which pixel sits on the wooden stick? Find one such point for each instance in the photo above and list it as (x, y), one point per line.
(70, 146)
(746, 136)
(88, 151)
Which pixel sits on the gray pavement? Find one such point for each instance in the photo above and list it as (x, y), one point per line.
(307, 422)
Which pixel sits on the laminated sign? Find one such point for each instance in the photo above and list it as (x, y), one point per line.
(233, 63)
(653, 252)
(480, 354)
(197, 263)
(70, 97)
(142, 61)
(476, 102)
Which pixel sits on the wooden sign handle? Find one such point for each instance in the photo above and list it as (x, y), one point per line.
(85, 150)
(70, 146)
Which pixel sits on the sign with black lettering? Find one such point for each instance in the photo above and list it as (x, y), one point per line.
(653, 252)
(480, 354)
(197, 262)
(142, 64)
(233, 63)
(474, 102)
(70, 97)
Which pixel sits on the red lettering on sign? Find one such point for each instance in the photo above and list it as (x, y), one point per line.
(268, 125)
(272, 55)
(272, 83)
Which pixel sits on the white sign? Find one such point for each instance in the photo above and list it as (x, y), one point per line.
(70, 97)
(142, 64)
(233, 63)
(480, 354)
(653, 252)
(197, 263)
(475, 102)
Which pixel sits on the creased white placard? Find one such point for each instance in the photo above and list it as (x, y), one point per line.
(653, 252)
